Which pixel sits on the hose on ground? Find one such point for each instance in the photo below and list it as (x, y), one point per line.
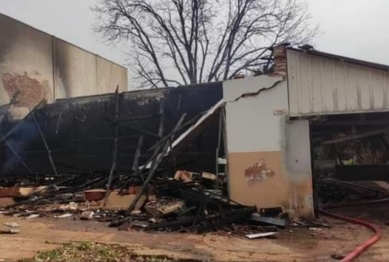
(377, 231)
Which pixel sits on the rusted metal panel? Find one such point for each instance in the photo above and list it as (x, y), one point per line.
(327, 85)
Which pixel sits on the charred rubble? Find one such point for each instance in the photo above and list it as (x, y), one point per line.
(350, 157)
(122, 159)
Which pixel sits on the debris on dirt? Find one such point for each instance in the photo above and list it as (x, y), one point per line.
(87, 215)
(11, 224)
(156, 195)
(72, 206)
(261, 235)
(10, 231)
(32, 216)
(64, 215)
(280, 222)
(310, 223)
(163, 207)
(11, 228)
(335, 191)
(315, 229)
(337, 256)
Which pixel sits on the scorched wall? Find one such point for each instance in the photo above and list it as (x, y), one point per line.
(41, 66)
(268, 155)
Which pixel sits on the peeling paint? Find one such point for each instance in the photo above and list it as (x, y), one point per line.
(258, 172)
(269, 192)
(31, 90)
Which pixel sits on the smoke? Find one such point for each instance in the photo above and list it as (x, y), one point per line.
(20, 141)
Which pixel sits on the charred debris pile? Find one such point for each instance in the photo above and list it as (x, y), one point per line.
(350, 157)
(147, 189)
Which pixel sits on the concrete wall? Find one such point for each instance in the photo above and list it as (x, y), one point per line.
(80, 73)
(297, 163)
(110, 75)
(25, 64)
(44, 67)
(75, 71)
(263, 167)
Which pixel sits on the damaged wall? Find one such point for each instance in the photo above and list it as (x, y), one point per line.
(80, 135)
(263, 169)
(297, 162)
(26, 64)
(44, 67)
(81, 73)
(75, 71)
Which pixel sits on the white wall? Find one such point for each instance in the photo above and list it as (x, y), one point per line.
(268, 155)
(251, 123)
(298, 166)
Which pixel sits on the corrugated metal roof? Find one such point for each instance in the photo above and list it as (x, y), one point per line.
(342, 58)
(321, 83)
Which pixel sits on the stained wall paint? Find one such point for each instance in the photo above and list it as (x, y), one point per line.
(297, 163)
(110, 75)
(44, 67)
(270, 192)
(264, 169)
(25, 63)
(80, 73)
(75, 71)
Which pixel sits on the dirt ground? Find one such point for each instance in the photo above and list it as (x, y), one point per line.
(292, 244)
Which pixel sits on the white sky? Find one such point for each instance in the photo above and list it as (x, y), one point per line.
(355, 28)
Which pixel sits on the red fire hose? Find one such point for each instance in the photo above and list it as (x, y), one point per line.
(359, 249)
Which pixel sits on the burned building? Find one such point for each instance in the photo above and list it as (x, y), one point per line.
(80, 130)
(262, 133)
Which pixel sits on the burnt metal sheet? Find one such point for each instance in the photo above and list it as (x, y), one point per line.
(80, 136)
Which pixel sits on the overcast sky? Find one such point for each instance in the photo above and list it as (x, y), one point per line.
(355, 28)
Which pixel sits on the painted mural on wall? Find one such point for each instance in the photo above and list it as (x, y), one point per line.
(258, 172)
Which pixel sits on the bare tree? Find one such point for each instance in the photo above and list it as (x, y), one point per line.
(181, 42)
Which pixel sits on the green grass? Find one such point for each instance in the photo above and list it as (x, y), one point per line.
(89, 251)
